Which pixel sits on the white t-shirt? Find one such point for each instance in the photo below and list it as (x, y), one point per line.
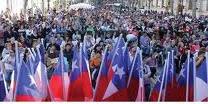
(8, 62)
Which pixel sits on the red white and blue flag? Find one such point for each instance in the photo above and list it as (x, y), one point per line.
(40, 74)
(57, 90)
(75, 91)
(86, 79)
(113, 51)
(102, 80)
(157, 92)
(201, 93)
(117, 87)
(185, 86)
(135, 85)
(26, 88)
(170, 82)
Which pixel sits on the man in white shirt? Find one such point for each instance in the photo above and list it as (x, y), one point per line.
(9, 63)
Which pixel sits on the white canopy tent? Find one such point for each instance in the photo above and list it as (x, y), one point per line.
(81, 6)
(114, 4)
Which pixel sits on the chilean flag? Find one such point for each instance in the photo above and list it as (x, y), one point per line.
(57, 83)
(170, 83)
(117, 87)
(40, 73)
(75, 90)
(41, 80)
(119, 46)
(112, 52)
(26, 88)
(158, 91)
(86, 80)
(127, 63)
(185, 80)
(141, 91)
(202, 82)
(102, 80)
(135, 87)
(38, 69)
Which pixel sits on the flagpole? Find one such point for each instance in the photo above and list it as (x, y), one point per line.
(80, 61)
(17, 64)
(87, 63)
(194, 72)
(142, 78)
(161, 86)
(187, 80)
(62, 71)
(166, 76)
(207, 66)
(172, 65)
(99, 74)
(80, 58)
(134, 60)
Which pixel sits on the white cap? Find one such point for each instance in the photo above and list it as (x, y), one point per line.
(131, 37)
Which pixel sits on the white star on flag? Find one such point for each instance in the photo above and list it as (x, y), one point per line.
(182, 71)
(74, 64)
(32, 80)
(117, 52)
(120, 72)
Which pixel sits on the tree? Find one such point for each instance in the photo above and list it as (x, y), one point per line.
(48, 1)
(7, 4)
(43, 7)
(156, 3)
(194, 8)
(207, 5)
(190, 4)
(171, 6)
(163, 2)
(201, 5)
(25, 6)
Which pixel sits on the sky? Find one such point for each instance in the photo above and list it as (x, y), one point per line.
(17, 5)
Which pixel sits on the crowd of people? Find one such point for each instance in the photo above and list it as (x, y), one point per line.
(154, 32)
